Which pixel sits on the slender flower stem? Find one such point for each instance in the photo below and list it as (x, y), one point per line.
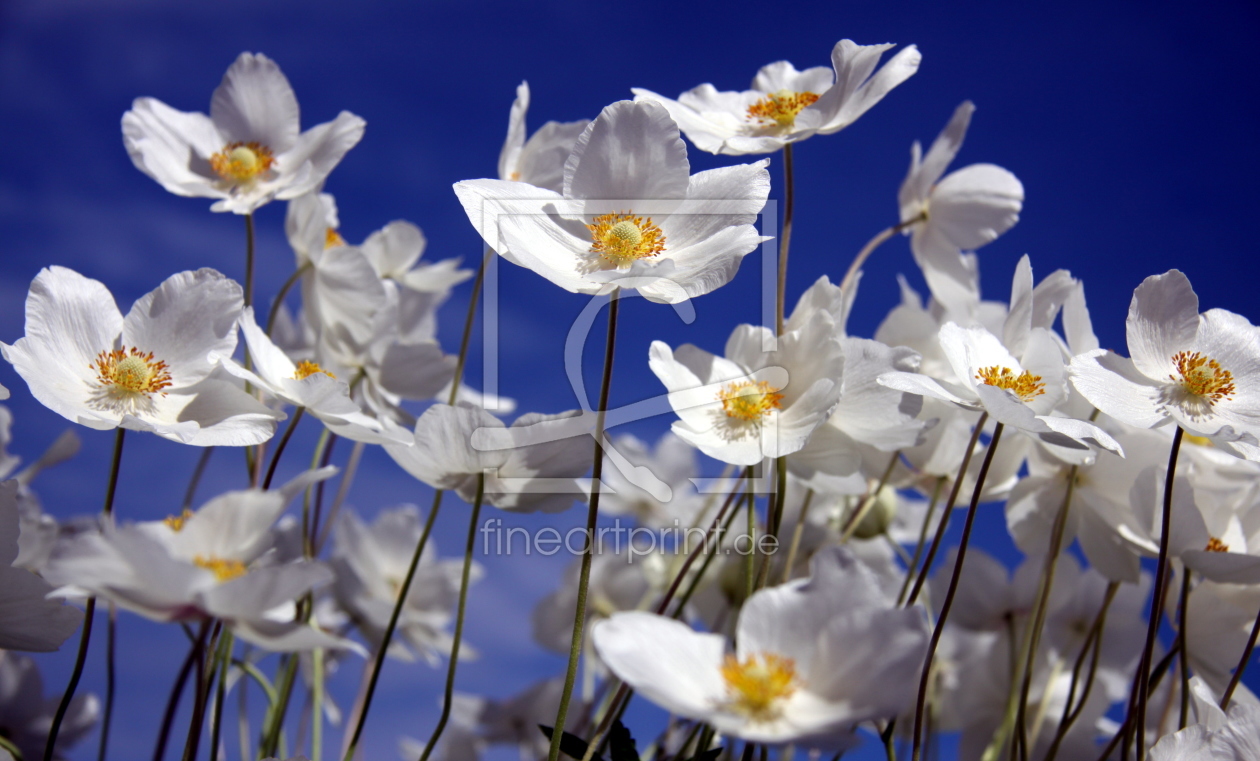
(1092, 644)
(588, 547)
(172, 702)
(220, 691)
(111, 633)
(870, 247)
(469, 319)
(249, 259)
(201, 690)
(918, 547)
(868, 503)
(274, 722)
(1182, 660)
(369, 689)
(343, 490)
(750, 560)
(111, 487)
(691, 557)
(278, 301)
(797, 534)
(448, 694)
(284, 442)
(785, 238)
(1143, 682)
(949, 508)
(198, 472)
(921, 705)
(1242, 665)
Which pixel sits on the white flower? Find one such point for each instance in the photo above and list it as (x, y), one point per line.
(26, 714)
(812, 659)
(28, 621)
(630, 214)
(248, 151)
(309, 386)
(753, 403)
(212, 563)
(653, 486)
(540, 160)
(531, 466)
(1201, 371)
(148, 372)
(785, 105)
(962, 212)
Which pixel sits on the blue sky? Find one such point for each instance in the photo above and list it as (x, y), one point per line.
(1131, 125)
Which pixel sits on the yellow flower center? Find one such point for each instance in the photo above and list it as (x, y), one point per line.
(224, 570)
(242, 162)
(757, 685)
(780, 108)
(748, 400)
(176, 522)
(1202, 441)
(1203, 376)
(1216, 545)
(306, 369)
(621, 239)
(128, 378)
(1025, 385)
(332, 239)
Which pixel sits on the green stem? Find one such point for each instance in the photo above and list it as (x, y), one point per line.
(588, 547)
(278, 301)
(918, 547)
(249, 259)
(201, 691)
(798, 533)
(750, 560)
(172, 701)
(275, 716)
(111, 641)
(220, 691)
(1072, 708)
(284, 442)
(785, 238)
(448, 694)
(198, 472)
(1182, 656)
(870, 247)
(1242, 665)
(317, 704)
(469, 319)
(867, 504)
(960, 557)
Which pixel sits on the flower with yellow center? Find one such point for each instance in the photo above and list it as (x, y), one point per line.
(749, 401)
(758, 684)
(622, 239)
(129, 379)
(780, 108)
(1200, 371)
(1216, 545)
(306, 369)
(241, 163)
(1025, 385)
(224, 569)
(176, 522)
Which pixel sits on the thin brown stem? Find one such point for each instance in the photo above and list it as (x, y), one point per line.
(785, 237)
(870, 247)
(1242, 664)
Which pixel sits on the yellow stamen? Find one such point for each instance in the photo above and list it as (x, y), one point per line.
(1025, 385)
(224, 570)
(1202, 441)
(128, 378)
(749, 400)
(332, 239)
(1203, 376)
(757, 685)
(1216, 545)
(780, 108)
(242, 162)
(621, 239)
(306, 369)
(176, 522)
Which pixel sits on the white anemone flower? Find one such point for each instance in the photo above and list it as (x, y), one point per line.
(26, 714)
(539, 160)
(962, 212)
(150, 371)
(752, 404)
(1021, 395)
(785, 105)
(28, 621)
(631, 214)
(309, 386)
(1200, 371)
(813, 658)
(249, 150)
(217, 562)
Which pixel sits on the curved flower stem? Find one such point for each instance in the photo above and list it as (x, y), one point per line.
(369, 688)
(855, 518)
(918, 548)
(785, 238)
(448, 693)
(1092, 644)
(216, 719)
(797, 534)
(278, 301)
(369, 685)
(1143, 681)
(111, 488)
(588, 547)
(750, 560)
(249, 259)
(111, 633)
(201, 689)
(1242, 665)
(343, 490)
(921, 704)
(1184, 649)
(949, 507)
(198, 472)
(172, 701)
(870, 247)
(284, 442)
(273, 725)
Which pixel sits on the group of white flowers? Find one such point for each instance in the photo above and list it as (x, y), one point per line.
(849, 453)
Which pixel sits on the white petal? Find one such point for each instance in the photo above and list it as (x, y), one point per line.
(976, 204)
(1163, 320)
(1112, 384)
(923, 175)
(317, 151)
(185, 319)
(173, 147)
(632, 151)
(255, 103)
